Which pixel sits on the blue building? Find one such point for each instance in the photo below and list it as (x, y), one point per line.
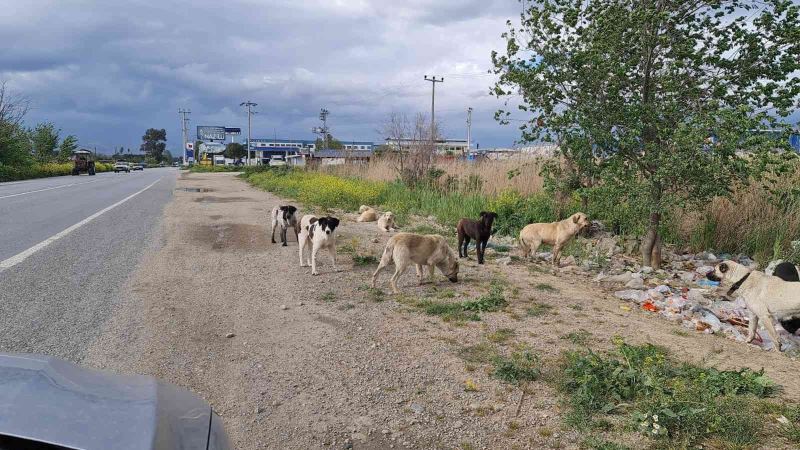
(266, 149)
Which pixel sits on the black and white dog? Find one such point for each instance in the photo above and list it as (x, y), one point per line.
(318, 232)
(786, 271)
(283, 218)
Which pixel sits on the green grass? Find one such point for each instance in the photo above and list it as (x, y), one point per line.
(538, 309)
(501, 335)
(328, 296)
(544, 287)
(482, 353)
(466, 311)
(768, 240)
(678, 405)
(521, 366)
(580, 337)
(364, 260)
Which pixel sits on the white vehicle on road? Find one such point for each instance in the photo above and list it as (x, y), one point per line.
(122, 166)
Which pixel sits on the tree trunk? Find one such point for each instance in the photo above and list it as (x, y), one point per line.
(651, 244)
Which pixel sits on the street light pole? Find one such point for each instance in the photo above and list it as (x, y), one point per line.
(184, 129)
(249, 104)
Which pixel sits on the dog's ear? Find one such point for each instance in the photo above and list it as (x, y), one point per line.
(333, 222)
(322, 222)
(723, 267)
(283, 208)
(493, 215)
(576, 218)
(313, 220)
(291, 209)
(483, 213)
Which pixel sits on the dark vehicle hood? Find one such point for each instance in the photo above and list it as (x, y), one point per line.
(49, 400)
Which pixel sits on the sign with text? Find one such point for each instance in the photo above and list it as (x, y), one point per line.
(210, 133)
(233, 131)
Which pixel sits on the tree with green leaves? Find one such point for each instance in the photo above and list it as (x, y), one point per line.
(235, 150)
(332, 144)
(44, 139)
(68, 145)
(655, 99)
(154, 142)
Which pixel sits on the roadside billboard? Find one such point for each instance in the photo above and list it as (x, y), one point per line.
(210, 133)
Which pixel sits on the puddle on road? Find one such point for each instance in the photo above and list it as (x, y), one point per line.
(231, 236)
(194, 189)
(212, 199)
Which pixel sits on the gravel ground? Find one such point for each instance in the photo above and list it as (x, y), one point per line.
(295, 361)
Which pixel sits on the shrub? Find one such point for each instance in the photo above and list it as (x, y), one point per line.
(523, 365)
(682, 403)
(36, 170)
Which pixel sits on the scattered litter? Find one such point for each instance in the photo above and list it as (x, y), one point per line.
(229, 335)
(708, 283)
(649, 307)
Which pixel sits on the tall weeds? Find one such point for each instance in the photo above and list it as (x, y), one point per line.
(758, 221)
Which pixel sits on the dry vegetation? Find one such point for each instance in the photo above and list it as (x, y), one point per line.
(517, 174)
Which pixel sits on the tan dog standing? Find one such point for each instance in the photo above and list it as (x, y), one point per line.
(368, 214)
(429, 251)
(386, 222)
(765, 296)
(556, 234)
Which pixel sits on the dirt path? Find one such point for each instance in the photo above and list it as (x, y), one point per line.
(342, 366)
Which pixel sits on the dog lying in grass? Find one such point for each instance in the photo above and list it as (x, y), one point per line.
(480, 230)
(283, 218)
(429, 251)
(368, 214)
(386, 222)
(318, 233)
(765, 296)
(557, 234)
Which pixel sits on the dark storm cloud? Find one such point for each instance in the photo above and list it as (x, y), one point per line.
(107, 70)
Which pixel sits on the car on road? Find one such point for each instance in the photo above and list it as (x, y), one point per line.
(139, 166)
(122, 166)
(48, 403)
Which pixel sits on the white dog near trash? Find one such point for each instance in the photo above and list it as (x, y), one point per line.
(765, 296)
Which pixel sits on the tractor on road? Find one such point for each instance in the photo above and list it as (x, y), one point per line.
(83, 162)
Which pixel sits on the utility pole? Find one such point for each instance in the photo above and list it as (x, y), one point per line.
(323, 116)
(469, 129)
(433, 81)
(250, 113)
(184, 129)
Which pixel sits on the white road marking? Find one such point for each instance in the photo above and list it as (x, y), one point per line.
(22, 256)
(46, 189)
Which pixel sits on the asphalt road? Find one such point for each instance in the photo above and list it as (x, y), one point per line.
(67, 246)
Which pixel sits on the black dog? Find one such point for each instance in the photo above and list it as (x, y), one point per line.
(788, 272)
(480, 230)
(283, 218)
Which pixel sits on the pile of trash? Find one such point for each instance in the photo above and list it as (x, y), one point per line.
(681, 293)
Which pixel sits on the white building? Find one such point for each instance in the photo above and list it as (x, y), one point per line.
(443, 146)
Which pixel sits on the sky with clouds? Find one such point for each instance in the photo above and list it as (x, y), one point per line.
(107, 70)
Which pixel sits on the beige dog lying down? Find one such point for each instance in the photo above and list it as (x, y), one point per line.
(556, 234)
(765, 296)
(421, 250)
(386, 222)
(368, 214)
